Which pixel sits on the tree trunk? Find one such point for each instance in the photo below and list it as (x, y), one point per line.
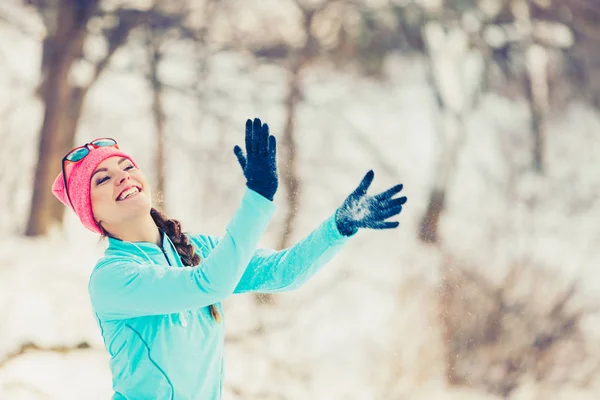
(536, 85)
(289, 170)
(64, 101)
(443, 56)
(538, 131)
(60, 117)
(455, 132)
(428, 232)
(158, 114)
(537, 92)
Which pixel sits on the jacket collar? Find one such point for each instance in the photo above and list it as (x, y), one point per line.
(148, 247)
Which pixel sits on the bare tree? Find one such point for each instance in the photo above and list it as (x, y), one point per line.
(521, 51)
(155, 56)
(364, 46)
(67, 25)
(289, 168)
(526, 325)
(533, 75)
(536, 83)
(448, 50)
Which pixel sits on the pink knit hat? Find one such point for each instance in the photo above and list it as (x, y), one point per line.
(79, 176)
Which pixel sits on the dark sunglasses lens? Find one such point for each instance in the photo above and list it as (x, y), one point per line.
(78, 154)
(104, 142)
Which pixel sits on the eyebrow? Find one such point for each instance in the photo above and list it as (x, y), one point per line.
(105, 169)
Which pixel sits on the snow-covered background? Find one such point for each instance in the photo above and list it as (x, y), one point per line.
(368, 325)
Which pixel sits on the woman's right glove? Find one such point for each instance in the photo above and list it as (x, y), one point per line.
(362, 211)
(260, 166)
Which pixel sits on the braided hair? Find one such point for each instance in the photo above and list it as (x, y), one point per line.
(185, 249)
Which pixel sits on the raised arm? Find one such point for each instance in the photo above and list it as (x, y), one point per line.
(288, 269)
(285, 270)
(123, 288)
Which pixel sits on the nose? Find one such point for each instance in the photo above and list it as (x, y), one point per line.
(121, 177)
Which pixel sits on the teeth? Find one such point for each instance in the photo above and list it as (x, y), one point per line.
(128, 193)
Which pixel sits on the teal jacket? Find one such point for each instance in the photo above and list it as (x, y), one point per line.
(153, 312)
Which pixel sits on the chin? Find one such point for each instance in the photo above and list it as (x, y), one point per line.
(134, 210)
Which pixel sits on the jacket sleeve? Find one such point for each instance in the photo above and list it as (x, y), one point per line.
(288, 269)
(123, 287)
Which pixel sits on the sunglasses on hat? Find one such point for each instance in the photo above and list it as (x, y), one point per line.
(79, 153)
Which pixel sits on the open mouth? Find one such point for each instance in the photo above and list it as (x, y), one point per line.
(129, 193)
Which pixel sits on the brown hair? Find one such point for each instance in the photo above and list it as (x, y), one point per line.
(185, 249)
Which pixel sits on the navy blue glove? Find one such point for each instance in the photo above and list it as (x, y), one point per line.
(260, 168)
(361, 211)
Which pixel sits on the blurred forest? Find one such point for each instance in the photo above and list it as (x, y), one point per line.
(501, 219)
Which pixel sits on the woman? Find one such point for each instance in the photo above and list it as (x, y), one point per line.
(157, 292)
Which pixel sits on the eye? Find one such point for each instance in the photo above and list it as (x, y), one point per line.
(102, 180)
(129, 167)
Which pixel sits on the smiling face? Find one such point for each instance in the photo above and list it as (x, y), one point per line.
(119, 193)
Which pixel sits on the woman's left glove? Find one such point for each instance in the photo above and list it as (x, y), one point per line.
(362, 211)
(260, 165)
